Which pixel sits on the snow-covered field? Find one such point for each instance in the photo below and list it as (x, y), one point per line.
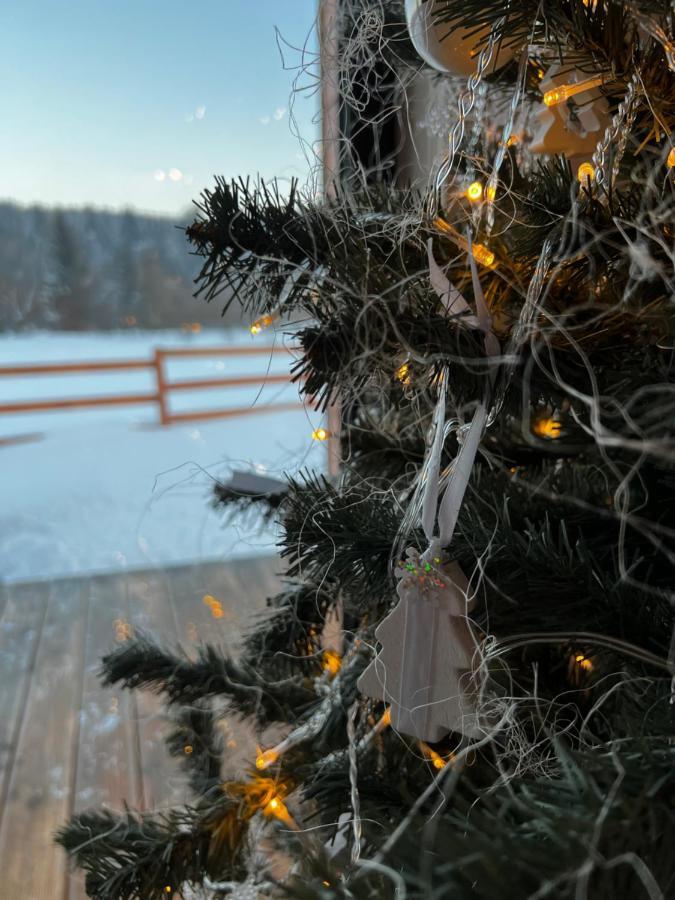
(107, 489)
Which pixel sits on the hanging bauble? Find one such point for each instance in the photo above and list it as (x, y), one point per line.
(572, 116)
(426, 669)
(444, 46)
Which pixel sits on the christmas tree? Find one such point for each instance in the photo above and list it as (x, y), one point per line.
(466, 687)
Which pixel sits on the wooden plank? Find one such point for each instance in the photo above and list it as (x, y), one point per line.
(263, 349)
(217, 602)
(233, 591)
(106, 774)
(79, 402)
(149, 609)
(4, 590)
(32, 866)
(195, 384)
(85, 366)
(20, 628)
(213, 621)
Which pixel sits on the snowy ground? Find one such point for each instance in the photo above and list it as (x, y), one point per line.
(107, 489)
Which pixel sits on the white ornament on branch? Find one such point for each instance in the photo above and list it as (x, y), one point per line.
(428, 667)
(446, 47)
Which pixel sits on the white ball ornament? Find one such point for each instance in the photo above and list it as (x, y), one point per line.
(445, 47)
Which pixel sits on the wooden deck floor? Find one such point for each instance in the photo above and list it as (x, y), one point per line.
(65, 743)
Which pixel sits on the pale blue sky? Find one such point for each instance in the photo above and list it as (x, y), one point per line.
(118, 103)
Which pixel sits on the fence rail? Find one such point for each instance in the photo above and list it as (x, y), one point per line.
(164, 386)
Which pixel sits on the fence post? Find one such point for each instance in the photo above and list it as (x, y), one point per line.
(164, 417)
(334, 422)
(329, 25)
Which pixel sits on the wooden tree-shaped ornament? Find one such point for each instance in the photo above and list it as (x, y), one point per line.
(425, 668)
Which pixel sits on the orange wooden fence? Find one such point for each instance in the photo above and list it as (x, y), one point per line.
(164, 387)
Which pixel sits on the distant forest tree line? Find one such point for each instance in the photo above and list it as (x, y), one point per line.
(81, 270)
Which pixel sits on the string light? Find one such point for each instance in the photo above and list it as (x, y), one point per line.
(123, 630)
(583, 662)
(187, 749)
(275, 808)
(320, 434)
(403, 373)
(265, 758)
(332, 662)
(671, 159)
(480, 253)
(259, 324)
(586, 170)
(474, 191)
(436, 759)
(214, 605)
(547, 428)
(559, 95)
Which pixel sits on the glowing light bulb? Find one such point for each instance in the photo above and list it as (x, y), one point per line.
(671, 159)
(187, 749)
(585, 171)
(583, 662)
(276, 808)
(434, 758)
(403, 373)
(560, 94)
(490, 192)
(214, 605)
(265, 758)
(259, 324)
(554, 97)
(123, 630)
(482, 255)
(332, 662)
(320, 434)
(547, 428)
(474, 191)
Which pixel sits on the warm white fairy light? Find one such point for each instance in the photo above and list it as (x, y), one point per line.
(564, 92)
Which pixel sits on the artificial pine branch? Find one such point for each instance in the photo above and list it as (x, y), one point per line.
(197, 741)
(133, 856)
(142, 662)
(287, 638)
(345, 535)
